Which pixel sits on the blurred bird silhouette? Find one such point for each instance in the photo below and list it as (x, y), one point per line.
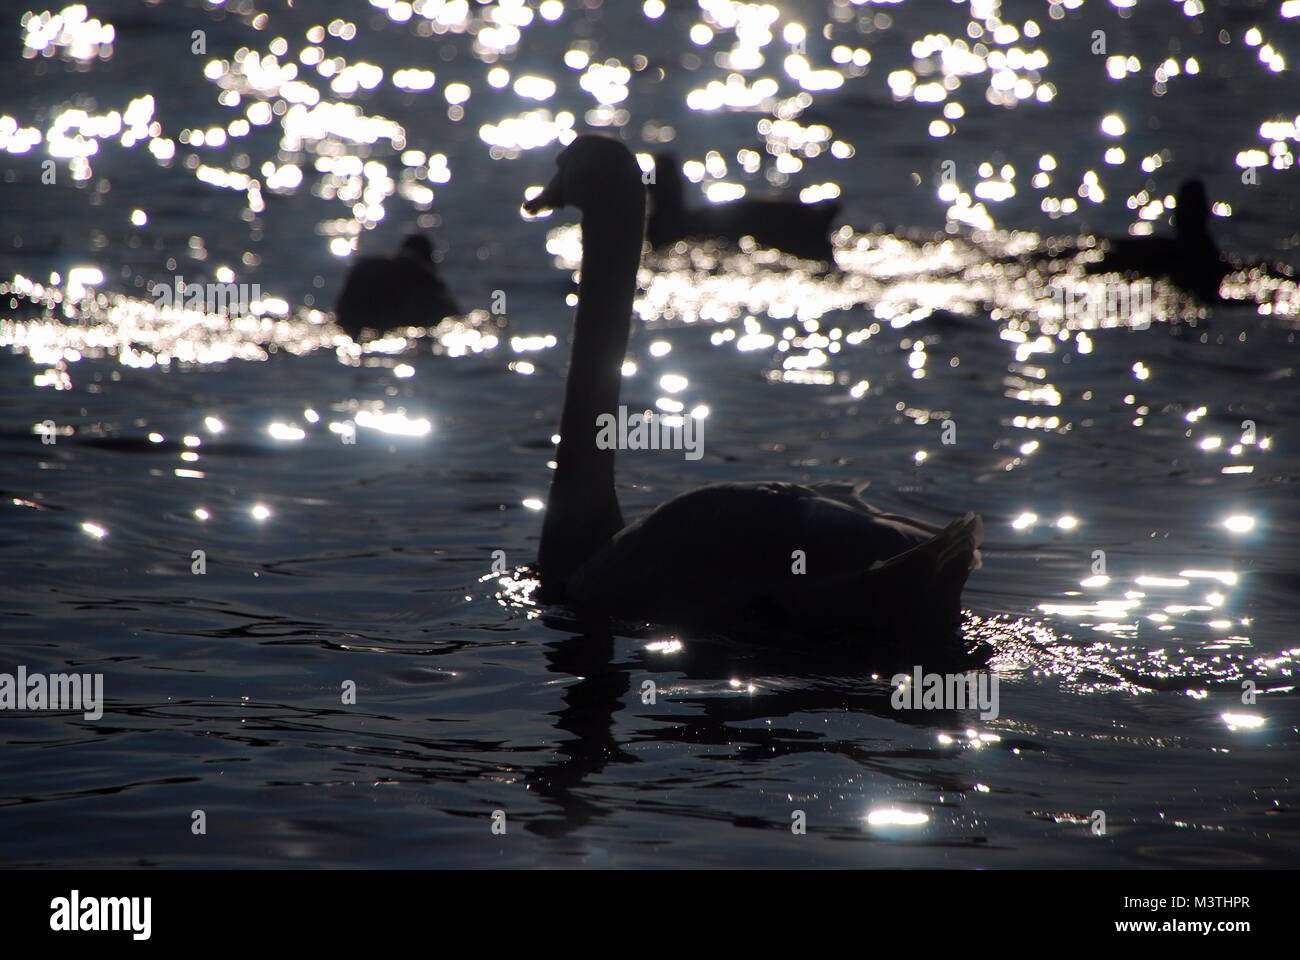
(799, 228)
(1190, 258)
(385, 292)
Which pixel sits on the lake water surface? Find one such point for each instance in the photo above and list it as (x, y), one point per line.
(1135, 469)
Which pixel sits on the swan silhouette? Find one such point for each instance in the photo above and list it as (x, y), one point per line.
(798, 228)
(385, 292)
(721, 558)
(1190, 258)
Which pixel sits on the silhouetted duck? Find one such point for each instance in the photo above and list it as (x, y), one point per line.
(385, 292)
(1189, 258)
(799, 228)
(763, 561)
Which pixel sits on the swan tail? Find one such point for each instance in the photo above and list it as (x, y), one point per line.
(957, 554)
(909, 604)
(915, 597)
(827, 213)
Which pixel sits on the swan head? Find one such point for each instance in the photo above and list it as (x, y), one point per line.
(594, 173)
(417, 247)
(1193, 209)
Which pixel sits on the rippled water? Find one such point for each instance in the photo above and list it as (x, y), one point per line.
(1135, 471)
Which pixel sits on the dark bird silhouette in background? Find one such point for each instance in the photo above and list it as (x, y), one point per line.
(799, 228)
(1190, 258)
(385, 292)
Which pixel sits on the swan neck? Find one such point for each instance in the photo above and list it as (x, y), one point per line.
(1190, 230)
(582, 512)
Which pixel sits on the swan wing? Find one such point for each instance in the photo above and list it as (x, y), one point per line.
(739, 552)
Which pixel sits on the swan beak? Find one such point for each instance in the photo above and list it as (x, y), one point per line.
(551, 198)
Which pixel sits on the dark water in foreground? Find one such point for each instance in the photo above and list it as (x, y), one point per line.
(371, 562)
